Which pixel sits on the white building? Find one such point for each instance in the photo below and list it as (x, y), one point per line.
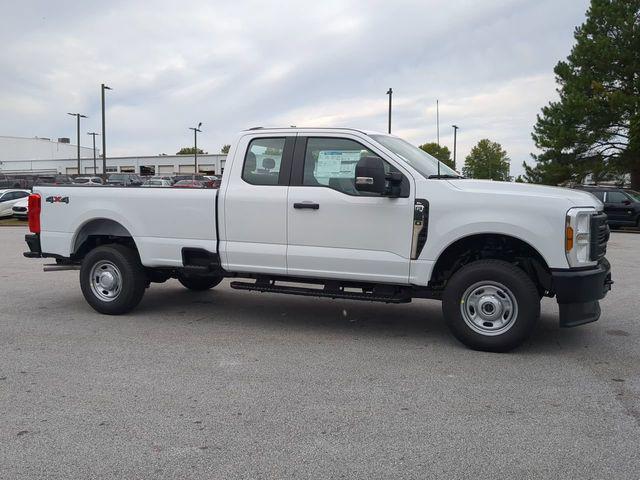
(43, 156)
(21, 148)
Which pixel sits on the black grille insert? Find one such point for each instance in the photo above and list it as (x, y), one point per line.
(599, 236)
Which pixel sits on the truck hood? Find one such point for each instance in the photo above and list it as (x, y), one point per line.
(576, 197)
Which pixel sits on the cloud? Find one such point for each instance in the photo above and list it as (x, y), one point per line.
(234, 65)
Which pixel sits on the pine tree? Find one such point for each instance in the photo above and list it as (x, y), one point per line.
(594, 128)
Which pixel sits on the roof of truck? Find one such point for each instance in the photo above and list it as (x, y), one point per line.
(366, 132)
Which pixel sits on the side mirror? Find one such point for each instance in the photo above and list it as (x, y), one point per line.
(370, 176)
(627, 202)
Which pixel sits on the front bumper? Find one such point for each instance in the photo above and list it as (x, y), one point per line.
(578, 292)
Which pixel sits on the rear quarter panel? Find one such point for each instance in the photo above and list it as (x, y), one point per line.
(161, 220)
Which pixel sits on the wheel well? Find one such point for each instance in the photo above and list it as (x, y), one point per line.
(100, 231)
(492, 246)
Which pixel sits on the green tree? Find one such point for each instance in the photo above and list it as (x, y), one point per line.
(594, 128)
(441, 153)
(225, 149)
(190, 151)
(487, 160)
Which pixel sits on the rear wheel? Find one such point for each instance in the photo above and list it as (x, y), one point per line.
(199, 282)
(112, 279)
(491, 305)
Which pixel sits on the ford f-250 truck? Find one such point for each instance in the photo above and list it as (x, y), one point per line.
(339, 213)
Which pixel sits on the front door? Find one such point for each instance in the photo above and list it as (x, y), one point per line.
(337, 232)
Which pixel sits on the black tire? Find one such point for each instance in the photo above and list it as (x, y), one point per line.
(199, 282)
(132, 284)
(521, 294)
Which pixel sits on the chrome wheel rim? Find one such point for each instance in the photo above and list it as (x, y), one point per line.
(106, 281)
(489, 308)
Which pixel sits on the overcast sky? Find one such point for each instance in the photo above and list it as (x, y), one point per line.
(234, 65)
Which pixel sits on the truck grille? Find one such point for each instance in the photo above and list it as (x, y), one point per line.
(599, 236)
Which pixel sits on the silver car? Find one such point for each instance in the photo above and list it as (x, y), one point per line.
(8, 198)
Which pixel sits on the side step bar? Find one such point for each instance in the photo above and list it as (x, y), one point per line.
(329, 291)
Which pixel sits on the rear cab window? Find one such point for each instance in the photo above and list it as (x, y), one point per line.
(263, 161)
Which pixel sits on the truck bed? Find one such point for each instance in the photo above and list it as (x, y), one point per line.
(162, 221)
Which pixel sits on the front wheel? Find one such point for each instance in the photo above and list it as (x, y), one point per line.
(112, 279)
(491, 305)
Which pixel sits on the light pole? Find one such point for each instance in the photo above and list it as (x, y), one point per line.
(390, 93)
(103, 87)
(93, 134)
(195, 145)
(78, 117)
(455, 136)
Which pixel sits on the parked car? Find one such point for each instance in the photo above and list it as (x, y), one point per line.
(206, 182)
(215, 180)
(124, 180)
(12, 182)
(58, 179)
(345, 214)
(89, 181)
(8, 198)
(168, 178)
(189, 184)
(621, 205)
(157, 182)
(20, 209)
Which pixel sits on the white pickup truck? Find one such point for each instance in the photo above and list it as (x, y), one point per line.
(339, 213)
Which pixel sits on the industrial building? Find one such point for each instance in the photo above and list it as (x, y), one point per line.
(40, 156)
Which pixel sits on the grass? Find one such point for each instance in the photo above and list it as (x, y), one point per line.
(12, 222)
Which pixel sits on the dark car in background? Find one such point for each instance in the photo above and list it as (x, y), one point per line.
(124, 180)
(621, 205)
(207, 183)
(58, 179)
(11, 182)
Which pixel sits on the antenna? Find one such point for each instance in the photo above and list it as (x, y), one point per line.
(438, 129)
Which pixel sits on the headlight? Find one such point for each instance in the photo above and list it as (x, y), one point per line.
(578, 237)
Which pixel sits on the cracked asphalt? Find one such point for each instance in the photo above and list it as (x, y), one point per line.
(228, 384)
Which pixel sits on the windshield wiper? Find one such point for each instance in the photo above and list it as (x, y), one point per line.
(444, 175)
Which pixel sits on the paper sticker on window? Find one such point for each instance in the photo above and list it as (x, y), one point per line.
(336, 163)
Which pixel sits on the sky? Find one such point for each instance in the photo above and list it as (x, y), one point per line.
(238, 64)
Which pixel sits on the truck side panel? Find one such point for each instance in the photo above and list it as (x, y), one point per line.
(161, 221)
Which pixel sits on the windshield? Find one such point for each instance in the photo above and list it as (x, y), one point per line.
(420, 160)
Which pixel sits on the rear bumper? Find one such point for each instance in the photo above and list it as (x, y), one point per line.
(578, 293)
(33, 242)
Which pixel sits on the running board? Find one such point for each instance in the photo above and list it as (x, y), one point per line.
(333, 292)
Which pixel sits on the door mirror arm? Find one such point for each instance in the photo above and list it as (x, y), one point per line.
(394, 184)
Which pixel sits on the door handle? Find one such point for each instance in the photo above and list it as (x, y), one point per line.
(309, 205)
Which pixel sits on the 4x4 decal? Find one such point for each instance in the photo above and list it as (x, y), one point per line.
(57, 199)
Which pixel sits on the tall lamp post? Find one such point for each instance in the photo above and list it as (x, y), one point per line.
(390, 93)
(103, 87)
(455, 138)
(195, 145)
(93, 134)
(78, 117)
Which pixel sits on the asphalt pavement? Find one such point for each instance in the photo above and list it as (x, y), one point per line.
(228, 384)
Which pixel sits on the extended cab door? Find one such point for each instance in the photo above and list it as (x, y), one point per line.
(335, 231)
(254, 205)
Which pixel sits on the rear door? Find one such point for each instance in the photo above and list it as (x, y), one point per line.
(334, 231)
(255, 205)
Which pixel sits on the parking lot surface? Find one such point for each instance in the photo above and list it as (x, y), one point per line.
(228, 384)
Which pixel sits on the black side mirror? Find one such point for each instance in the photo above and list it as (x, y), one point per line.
(370, 176)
